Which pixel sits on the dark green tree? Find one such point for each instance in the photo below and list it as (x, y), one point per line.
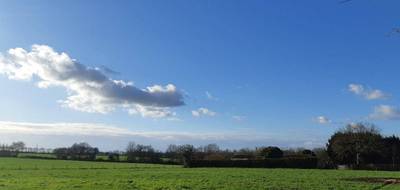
(83, 151)
(392, 150)
(356, 144)
(142, 153)
(270, 152)
(308, 152)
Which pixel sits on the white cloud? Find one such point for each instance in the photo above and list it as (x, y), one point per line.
(386, 112)
(91, 129)
(238, 117)
(210, 96)
(203, 111)
(322, 120)
(89, 89)
(61, 129)
(367, 93)
(174, 119)
(96, 129)
(356, 89)
(154, 112)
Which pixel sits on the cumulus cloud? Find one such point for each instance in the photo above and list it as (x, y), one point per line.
(322, 120)
(203, 112)
(386, 112)
(367, 93)
(89, 89)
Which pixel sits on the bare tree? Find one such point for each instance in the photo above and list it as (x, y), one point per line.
(18, 146)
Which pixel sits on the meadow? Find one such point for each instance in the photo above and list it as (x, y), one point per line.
(20, 173)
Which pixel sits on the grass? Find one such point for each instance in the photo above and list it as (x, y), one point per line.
(122, 158)
(19, 173)
(36, 155)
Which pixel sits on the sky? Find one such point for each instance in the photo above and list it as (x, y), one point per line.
(236, 73)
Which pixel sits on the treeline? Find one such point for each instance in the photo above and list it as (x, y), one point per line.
(20, 146)
(361, 146)
(12, 150)
(78, 151)
(14, 147)
(212, 155)
(356, 146)
(270, 157)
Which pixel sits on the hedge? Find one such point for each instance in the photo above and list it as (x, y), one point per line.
(305, 163)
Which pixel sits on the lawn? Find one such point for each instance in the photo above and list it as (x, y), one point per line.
(19, 173)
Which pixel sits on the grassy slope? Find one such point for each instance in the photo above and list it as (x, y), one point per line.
(54, 174)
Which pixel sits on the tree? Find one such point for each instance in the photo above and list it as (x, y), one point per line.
(187, 151)
(17, 146)
(307, 152)
(211, 149)
(130, 151)
(324, 161)
(271, 152)
(131, 147)
(142, 153)
(172, 153)
(83, 151)
(61, 153)
(78, 151)
(356, 144)
(246, 151)
(392, 150)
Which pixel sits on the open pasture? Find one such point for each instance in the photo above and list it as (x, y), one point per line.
(18, 173)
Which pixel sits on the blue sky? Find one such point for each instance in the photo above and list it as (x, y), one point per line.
(278, 71)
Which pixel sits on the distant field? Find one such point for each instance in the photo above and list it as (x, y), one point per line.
(19, 173)
(36, 155)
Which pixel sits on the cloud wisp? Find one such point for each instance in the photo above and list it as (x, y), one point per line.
(203, 112)
(97, 129)
(322, 120)
(89, 89)
(102, 132)
(385, 112)
(367, 93)
(238, 117)
(211, 97)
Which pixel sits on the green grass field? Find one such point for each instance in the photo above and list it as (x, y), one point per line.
(19, 173)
